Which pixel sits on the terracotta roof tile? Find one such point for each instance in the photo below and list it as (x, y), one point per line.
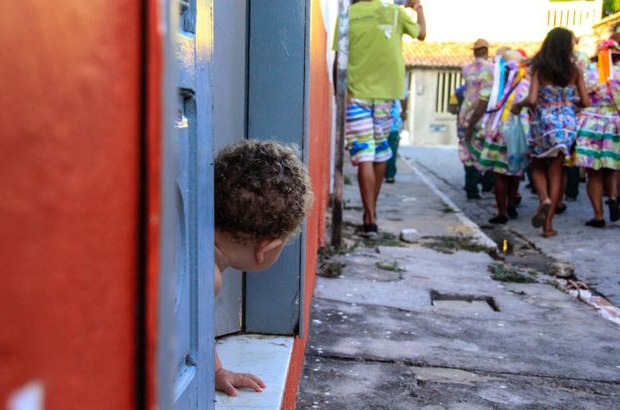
(424, 54)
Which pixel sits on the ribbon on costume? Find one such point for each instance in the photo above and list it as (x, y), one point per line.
(500, 106)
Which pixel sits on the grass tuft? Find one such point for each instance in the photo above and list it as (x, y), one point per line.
(507, 273)
(392, 267)
(451, 244)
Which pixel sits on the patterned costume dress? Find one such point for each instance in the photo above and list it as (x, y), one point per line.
(478, 78)
(598, 129)
(554, 124)
(494, 155)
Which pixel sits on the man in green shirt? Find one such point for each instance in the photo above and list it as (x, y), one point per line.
(375, 77)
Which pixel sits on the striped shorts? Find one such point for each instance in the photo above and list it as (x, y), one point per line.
(367, 128)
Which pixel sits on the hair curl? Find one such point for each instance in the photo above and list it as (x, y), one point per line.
(262, 191)
(554, 60)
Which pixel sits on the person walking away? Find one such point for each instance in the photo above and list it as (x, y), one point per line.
(478, 77)
(555, 80)
(376, 77)
(598, 133)
(399, 115)
(494, 154)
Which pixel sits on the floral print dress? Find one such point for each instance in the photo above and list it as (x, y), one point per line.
(554, 123)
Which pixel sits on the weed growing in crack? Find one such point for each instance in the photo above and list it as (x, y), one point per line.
(330, 269)
(451, 244)
(328, 251)
(448, 210)
(508, 273)
(392, 267)
(383, 239)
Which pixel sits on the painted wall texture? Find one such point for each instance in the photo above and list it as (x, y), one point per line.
(319, 129)
(69, 196)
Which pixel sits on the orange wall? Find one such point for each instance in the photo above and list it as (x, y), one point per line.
(154, 107)
(318, 164)
(69, 195)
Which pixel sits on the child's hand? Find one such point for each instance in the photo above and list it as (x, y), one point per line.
(226, 381)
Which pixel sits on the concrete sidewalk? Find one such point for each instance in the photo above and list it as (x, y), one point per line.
(424, 325)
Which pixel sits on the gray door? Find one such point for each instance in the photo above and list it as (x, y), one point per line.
(229, 123)
(193, 216)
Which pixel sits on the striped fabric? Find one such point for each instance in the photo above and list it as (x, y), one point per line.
(598, 126)
(598, 138)
(368, 124)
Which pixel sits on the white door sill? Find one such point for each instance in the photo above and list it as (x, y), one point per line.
(268, 357)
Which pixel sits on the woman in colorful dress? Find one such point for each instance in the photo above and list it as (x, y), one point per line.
(494, 155)
(598, 133)
(555, 80)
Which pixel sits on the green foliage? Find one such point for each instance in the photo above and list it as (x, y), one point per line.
(384, 239)
(507, 273)
(392, 267)
(610, 7)
(451, 244)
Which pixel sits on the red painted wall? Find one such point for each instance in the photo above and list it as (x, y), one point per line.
(319, 143)
(154, 107)
(69, 193)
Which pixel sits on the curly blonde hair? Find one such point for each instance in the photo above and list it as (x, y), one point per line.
(262, 191)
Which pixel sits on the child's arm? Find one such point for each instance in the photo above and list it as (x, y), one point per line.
(227, 381)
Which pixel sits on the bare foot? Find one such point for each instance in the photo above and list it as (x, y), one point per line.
(549, 234)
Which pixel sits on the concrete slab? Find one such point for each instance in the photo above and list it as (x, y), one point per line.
(377, 341)
(364, 385)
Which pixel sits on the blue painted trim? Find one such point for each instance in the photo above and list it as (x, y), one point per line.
(277, 110)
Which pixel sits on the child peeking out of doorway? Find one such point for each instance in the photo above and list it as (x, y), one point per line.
(262, 195)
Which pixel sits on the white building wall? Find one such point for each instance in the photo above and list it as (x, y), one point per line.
(426, 127)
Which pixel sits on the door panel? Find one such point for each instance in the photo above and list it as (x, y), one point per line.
(229, 123)
(277, 104)
(192, 214)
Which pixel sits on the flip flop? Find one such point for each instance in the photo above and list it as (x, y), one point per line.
(541, 214)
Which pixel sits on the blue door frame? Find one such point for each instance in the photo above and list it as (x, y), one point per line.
(186, 323)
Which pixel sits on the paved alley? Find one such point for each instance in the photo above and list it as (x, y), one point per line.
(445, 321)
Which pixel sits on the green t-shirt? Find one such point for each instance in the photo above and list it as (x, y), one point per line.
(376, 66)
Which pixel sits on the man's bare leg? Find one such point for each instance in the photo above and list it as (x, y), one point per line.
(366, 179)
(380, 168)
